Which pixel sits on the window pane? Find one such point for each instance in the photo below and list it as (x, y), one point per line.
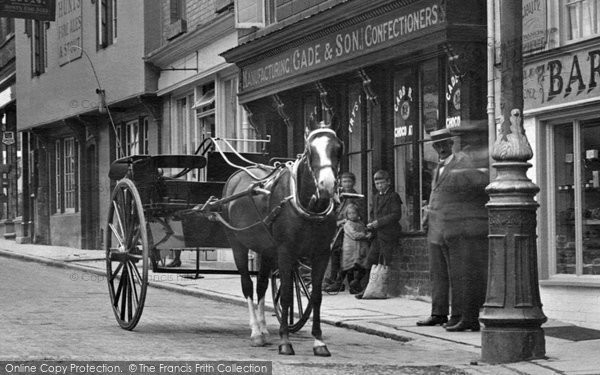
(406, 137)
(355, 94)
(590, 138)
(69, 173)
(565, 199)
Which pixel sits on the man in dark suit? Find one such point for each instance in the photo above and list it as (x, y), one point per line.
(385, 214)
(457, 225)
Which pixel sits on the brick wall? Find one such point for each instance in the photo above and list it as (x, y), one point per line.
(410, 268)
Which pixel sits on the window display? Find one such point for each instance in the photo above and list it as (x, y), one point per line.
(577, 197)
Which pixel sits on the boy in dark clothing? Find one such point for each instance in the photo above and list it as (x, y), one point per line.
(386, 212)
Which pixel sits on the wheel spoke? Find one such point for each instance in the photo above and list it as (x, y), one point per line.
(297, 283)
(125, 280)
(119, 290)
(117, 235)
(116, 272)
(119, 220)
(137, 274)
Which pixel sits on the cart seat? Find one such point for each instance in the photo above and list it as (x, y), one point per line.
(149, 165)
(175, 191)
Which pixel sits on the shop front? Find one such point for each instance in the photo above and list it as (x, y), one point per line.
(562, 103)
(384, 74)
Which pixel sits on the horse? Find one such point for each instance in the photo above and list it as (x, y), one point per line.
(297, 221)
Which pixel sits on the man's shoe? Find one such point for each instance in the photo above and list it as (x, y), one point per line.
(433, 320)
(463, 326)
(359, 295)
(454, 319)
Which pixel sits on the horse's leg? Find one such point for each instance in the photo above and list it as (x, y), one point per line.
(262, 284)
(240, 255)
(284, 263)
(319, 265)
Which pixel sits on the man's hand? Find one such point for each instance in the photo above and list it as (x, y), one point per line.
(372, 225)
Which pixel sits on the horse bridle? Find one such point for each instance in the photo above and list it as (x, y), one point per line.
(307, 152)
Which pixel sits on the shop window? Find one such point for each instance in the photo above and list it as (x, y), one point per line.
(106, 20)
(132, 138)
(66, 186)
(416, 111)
(581, 18)
(576, 203)
(355, 132)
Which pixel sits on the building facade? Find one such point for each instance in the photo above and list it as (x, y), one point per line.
(10, 188)
(384, 74)
(561, 73)
(87, 98)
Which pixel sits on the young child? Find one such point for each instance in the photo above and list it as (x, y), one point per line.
(354, 247)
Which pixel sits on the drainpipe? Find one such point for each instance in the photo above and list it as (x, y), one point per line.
(491, 105)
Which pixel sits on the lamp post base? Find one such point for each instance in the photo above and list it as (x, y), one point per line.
(512, 344)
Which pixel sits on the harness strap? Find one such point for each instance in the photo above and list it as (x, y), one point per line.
(245, 169)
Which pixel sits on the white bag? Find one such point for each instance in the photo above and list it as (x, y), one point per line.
(377, 288)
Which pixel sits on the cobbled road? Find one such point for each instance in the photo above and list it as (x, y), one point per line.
(56, 313)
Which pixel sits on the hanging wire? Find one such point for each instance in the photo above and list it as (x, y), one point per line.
(100, 91)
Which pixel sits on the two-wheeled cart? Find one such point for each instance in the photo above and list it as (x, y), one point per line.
(159, 206)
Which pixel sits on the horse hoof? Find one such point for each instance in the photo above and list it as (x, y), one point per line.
(257, 341)
(286, 349)
(321, 351)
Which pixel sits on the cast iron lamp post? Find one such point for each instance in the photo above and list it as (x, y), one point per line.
(512, 314)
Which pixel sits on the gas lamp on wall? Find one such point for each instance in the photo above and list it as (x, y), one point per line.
(101, 100)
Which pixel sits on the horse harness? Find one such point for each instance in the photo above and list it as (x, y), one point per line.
(264, 187)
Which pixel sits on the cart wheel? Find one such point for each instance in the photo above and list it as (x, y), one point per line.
(301, 306)
(127, 260)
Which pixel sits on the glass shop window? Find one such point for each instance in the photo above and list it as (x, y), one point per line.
(416, 111)
(577, 198)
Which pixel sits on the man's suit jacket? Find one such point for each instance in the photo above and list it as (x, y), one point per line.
(387, 210)
(457, 201)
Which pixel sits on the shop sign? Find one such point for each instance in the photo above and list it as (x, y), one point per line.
(453, 102)
(534, 25)
(375, 34)
(8, 138)
(404, 114)
(566, 78)
(43, 10)
(69, 30)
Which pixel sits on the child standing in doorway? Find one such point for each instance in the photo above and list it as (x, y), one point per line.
(355, 247)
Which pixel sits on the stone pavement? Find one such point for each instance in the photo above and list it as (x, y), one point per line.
(392, 318)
